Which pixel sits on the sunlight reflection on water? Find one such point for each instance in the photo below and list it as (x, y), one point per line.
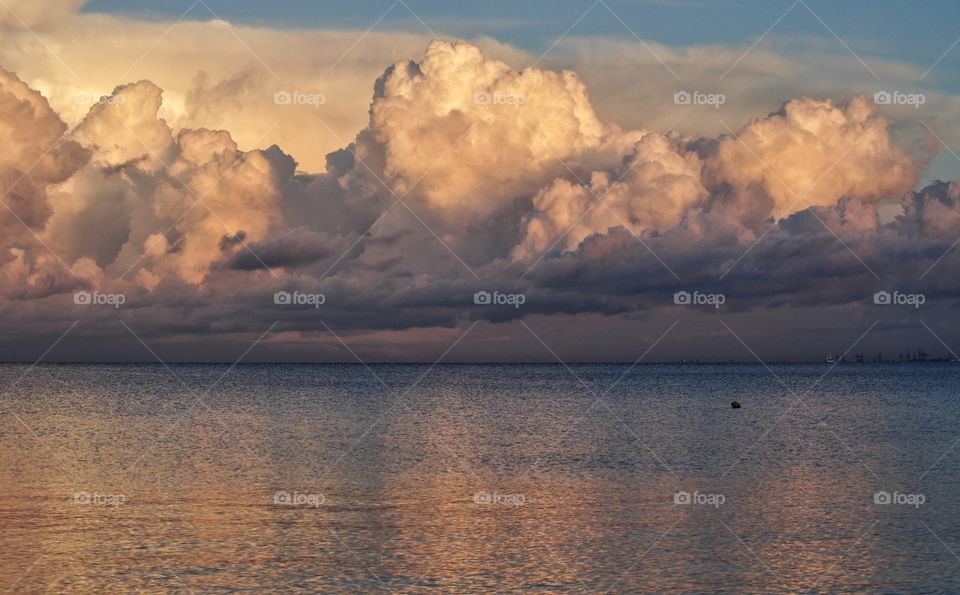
(484, 478)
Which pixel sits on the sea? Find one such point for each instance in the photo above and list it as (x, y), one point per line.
(462, 478)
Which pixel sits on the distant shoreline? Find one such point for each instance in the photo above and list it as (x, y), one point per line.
(529, 363)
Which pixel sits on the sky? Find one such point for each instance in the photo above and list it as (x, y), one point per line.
(413, 181)
(880, 26)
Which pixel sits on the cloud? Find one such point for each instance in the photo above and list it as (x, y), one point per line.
(510, 182)
(162, 204)
(757, 83)
(211, 80)
(933, 212)
(26, 14)
(809, 153)
(468, 134)
(215, 74)
(124, 127)
(296, 247)
(35, 156)
(812, 153)
(657, 183)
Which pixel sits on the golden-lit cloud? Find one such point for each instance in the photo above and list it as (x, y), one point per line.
(813, 153)
(467, 137)
(656, 185)
(33, 158)
(213, 73)
(189, 199)
(147, 193)
(467, 133)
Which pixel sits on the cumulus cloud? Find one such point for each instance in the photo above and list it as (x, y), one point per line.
(158, 203)
(655, 187)
(809, 153)
(36, 156)
(468, 134)
(238, 195)
(932, 212)
(776, 69)
(812, 153)
(124, 127)
(215, 74)
(501, 170)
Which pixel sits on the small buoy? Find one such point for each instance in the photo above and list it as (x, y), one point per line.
(735, 404)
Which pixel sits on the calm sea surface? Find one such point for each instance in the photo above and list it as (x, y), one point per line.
(473, 479)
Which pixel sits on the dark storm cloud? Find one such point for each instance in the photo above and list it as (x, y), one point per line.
(294, 248)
